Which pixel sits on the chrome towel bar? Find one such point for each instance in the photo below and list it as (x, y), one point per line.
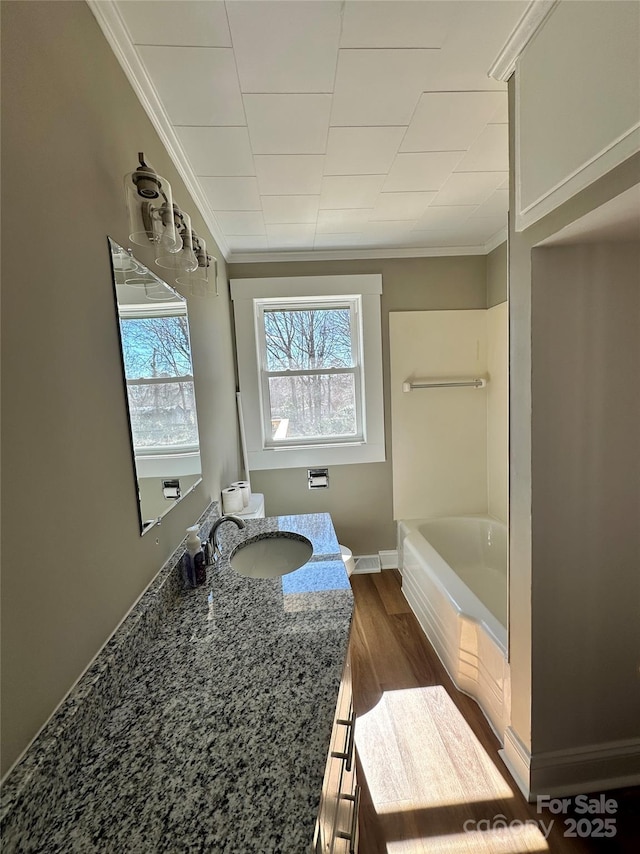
(475, 382)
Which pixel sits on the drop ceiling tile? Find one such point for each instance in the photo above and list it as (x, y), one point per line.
(217, 151)
(421, 171)
(303, 230)
(445, 238)
(232, 194)
(192, 24)
(288, 124)
(401, 206)
(241, 222)
(496, 205)
(489, 153)
(350, 191)
(289, 174)
(448, 121)
(394, 24)
(248, 243)
(472, 233)
(290, 236)
(197, 85)
(444, 217)
(469, 188)
(342, 221)
(362, 151)
(342, 241)
(501, 115)
(287, 209)
(285, 47)
(380, 87)
(486, 226)
(477, 33)
(387, 232)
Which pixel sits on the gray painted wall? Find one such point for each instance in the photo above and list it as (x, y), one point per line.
(586, 494)
(529, 703)
(73, 558)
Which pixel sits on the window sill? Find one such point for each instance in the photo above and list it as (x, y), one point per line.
(318, 455)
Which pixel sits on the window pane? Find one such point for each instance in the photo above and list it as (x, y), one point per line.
(300, 339)
(156, 347)
(163, 415)
(316, 406)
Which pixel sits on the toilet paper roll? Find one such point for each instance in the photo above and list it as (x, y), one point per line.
(232, 500)
(245, 487)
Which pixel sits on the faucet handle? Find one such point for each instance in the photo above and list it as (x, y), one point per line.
(208, 553)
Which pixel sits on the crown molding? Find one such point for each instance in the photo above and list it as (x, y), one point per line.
(533, 18)
(354, 254)
(113, 27)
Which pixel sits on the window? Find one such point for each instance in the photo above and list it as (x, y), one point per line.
(309, 359)
(159, 378)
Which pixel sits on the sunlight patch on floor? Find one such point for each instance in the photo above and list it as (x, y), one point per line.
(414, 744)
(433, 785)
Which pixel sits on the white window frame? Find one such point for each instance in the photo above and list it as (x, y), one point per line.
(362, 292)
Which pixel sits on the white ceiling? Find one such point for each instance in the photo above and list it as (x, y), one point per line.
(326, 128)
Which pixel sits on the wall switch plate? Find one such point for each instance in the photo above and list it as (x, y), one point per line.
(318, 478)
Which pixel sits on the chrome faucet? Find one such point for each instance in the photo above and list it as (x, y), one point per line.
(213, 552)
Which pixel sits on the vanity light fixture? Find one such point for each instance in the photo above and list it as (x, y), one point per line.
(151, 210)
(155, 219)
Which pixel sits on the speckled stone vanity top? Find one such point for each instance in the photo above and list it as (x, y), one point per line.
(219, 736)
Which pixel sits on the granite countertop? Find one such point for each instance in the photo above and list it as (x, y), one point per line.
(220, 738)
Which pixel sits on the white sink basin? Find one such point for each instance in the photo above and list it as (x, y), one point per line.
(271, 556)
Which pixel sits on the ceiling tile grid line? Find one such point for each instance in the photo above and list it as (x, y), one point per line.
(284, 110)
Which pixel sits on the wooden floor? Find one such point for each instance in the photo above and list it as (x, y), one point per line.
(427, 758)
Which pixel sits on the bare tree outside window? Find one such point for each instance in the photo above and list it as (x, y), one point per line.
(311, 372)
(158, 372)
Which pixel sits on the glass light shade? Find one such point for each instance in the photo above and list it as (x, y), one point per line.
(150, 207)
(184, 260)
(161, 294)
(203, 281)
(124, 264)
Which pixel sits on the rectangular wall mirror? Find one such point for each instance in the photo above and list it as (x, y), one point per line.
(158, 376)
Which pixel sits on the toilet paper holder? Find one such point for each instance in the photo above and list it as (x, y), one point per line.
(318, 478)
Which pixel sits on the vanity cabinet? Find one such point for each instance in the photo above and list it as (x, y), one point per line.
(337, 825)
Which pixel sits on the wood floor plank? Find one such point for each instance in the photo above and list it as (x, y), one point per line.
(428, 760)
(390, 593)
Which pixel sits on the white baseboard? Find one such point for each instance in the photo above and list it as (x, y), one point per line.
(389, 559)
(574, 771)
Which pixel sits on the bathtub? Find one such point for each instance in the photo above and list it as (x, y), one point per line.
(454, 577)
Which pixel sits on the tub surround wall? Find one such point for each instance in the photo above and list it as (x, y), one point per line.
(72, 127)
(439, 435)
(450, 446)
(212, 707)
